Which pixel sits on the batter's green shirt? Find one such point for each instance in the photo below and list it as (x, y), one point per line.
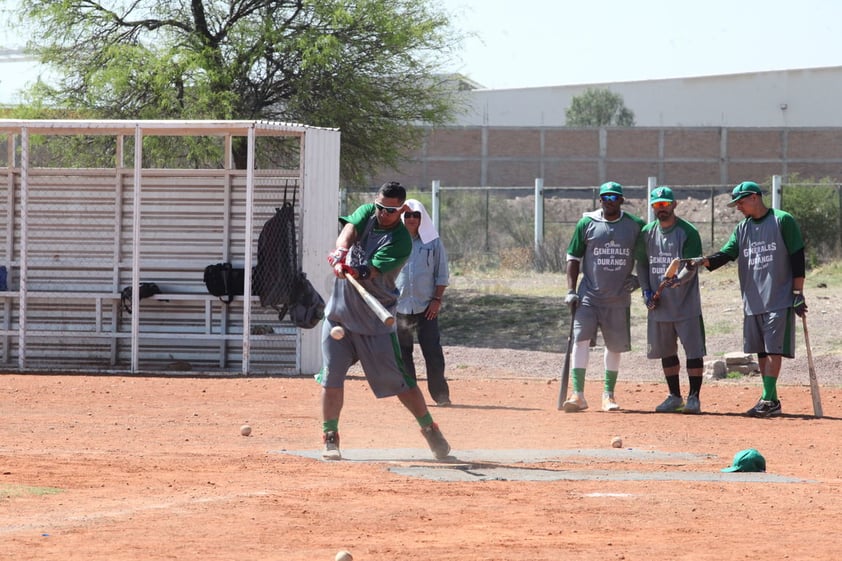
(385, 249)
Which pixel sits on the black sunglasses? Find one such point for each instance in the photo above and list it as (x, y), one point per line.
(416, 214)
(388, 209)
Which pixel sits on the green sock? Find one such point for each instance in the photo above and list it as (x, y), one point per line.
(578, 379)
(426, 420)
(770, 388)
(610, 380)
(330, 425)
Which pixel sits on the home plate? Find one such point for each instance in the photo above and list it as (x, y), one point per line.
(502, 465)
(522, 456)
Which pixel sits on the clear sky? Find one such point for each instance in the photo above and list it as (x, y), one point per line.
(525, 43)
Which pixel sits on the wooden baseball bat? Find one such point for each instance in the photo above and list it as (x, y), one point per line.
(372, 302)
(814, 383)
(565, 370)
(670, 273)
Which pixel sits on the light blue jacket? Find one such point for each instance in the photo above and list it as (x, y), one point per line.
(425, 269)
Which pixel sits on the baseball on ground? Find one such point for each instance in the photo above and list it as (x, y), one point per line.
(343, 555)
(337, 332)
(617, 442)
(245, 430)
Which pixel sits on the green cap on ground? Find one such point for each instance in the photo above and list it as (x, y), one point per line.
(747, 460)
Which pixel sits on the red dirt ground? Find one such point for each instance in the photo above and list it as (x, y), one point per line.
(156, 468)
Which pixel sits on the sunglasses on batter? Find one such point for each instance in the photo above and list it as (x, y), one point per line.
(388, 209)
(610, 198)
(661, 205)
(415, 214)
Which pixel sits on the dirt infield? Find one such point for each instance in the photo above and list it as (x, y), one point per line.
(124, 468)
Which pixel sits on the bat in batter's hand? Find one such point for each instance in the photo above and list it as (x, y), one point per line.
(669, 277)
(372, 302)
(814, 383)
(565, 370)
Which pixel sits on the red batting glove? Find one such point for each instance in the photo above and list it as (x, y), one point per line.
(341, 270)
(338, 256)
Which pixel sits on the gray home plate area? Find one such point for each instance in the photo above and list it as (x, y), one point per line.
(519, 465)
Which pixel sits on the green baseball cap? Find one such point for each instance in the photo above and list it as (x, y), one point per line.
(744, 189)
(661, 195)
(747, 460)
(611, 188)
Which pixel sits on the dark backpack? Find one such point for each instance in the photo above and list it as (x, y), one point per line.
(308, 308)
(225, 281)
(277, 262)
(280, 282)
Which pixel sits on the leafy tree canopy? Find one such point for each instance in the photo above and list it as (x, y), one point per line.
(370, 67)
(598, 107)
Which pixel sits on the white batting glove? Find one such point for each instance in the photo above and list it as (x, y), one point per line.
(571, 298)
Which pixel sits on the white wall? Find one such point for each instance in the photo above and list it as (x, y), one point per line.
(811, 97)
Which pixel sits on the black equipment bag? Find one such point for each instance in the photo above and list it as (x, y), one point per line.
(280, 282)
(308, 307)
(225, 281)
(145, 290)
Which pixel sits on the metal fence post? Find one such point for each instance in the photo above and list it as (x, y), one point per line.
(839, 198)
(651, 183)
(434, 202)
(712, 217)
(539, 215)
(487, 221)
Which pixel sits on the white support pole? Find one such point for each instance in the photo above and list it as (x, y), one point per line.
(436, 187)
(136, 200)
(539, 214)
(651, 183)
(24, 243)
(777, 191)
(249, 236)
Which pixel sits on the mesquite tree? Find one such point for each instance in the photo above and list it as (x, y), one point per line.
(372, 68)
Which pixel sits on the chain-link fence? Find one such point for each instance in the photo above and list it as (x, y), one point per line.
(488, 227)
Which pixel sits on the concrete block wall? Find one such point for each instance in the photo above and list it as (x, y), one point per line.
(515, 156)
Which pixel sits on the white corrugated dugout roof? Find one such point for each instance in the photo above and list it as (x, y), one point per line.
(173, 127)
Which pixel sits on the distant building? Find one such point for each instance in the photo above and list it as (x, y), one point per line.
(806, 97)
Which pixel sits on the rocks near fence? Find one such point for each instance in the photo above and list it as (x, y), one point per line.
(732, 362)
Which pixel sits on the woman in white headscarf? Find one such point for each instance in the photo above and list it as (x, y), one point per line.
(422, 282)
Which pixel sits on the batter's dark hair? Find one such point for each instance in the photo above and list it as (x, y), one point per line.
(393, 190)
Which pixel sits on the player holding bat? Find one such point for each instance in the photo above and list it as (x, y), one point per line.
(675, 306)
(603, 248)
(769, 251)
(371, 248)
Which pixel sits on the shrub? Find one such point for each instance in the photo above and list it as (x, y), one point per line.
(815, 206)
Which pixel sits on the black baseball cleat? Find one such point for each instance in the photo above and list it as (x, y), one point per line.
(765, 408)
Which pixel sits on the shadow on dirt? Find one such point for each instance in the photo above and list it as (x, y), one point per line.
(502, 321)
